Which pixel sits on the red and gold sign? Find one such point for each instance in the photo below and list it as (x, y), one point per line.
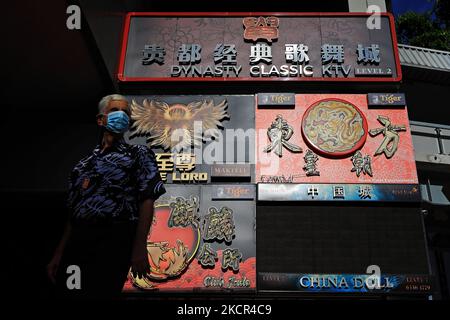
(261, 28)
(170, 249)
(334, 127)
(194, 248)
(342, 141)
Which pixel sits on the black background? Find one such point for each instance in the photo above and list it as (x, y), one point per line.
(339, 239)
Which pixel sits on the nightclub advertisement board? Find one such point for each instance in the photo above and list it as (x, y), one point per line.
(339, 142)
(302, 147)
(197, 139)
(202, 238)
(256, 46)
(346, 283)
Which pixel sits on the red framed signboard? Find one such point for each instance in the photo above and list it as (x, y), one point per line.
(340, 122)
(258, 46)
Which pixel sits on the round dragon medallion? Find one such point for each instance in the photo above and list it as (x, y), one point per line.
(334, 127)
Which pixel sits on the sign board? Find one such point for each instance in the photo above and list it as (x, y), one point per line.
(386, 99)
(233, 192)
(281, 100)
(230, 170)
(195, 137)
(258, 46)
(200, 243)
(339, 192)
(334, 139)
(346, 283)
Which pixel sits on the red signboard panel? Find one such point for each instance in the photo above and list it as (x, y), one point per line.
(335, 167)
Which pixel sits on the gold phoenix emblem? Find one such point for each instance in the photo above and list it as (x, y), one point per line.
(161, 123)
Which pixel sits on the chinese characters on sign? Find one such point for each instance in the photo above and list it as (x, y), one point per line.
(225, 53)
(368, 54)
(218, 225)
(279, 133)
(310, 166)
(184, 213)
(365, 192)
(338, 192)
(184, 163)
(361, 164)
(248, 47)
(391, 138)
(231, 259)
(313, 191)
(207, 257)
(189, 55)
(153, 53)
(297, 53)
(260, 52)
(332, 53)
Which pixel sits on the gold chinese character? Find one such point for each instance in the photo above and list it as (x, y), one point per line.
(165, 162)
(185, 161)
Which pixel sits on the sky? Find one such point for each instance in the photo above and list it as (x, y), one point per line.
(402, 6)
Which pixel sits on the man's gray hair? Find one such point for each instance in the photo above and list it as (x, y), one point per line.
(105, 101)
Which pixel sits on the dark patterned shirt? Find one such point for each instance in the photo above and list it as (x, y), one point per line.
(108, 186)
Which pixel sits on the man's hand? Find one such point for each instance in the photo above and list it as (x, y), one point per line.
(139, 262)
(52, 267)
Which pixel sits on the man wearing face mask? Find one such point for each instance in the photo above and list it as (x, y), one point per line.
(111, 196)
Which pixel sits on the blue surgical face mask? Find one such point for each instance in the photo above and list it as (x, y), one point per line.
(117, 122)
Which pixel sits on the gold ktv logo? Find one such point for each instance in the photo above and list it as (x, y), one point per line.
(261, 28)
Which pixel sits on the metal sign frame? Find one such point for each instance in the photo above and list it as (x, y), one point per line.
(121, 67)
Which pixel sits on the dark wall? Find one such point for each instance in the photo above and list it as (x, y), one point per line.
(340, 239)
(427, 101)
(52, 81)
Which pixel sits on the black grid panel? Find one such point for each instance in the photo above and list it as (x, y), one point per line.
(319, 239)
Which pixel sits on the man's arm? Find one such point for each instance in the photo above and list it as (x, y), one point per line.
(139, 260)
(52, 267)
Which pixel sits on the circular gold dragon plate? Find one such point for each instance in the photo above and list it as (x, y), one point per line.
(334, 127)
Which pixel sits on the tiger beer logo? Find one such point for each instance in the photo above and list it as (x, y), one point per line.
(237, 192)
(261, 28)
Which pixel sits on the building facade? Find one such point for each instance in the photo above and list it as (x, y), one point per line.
(319, 164)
